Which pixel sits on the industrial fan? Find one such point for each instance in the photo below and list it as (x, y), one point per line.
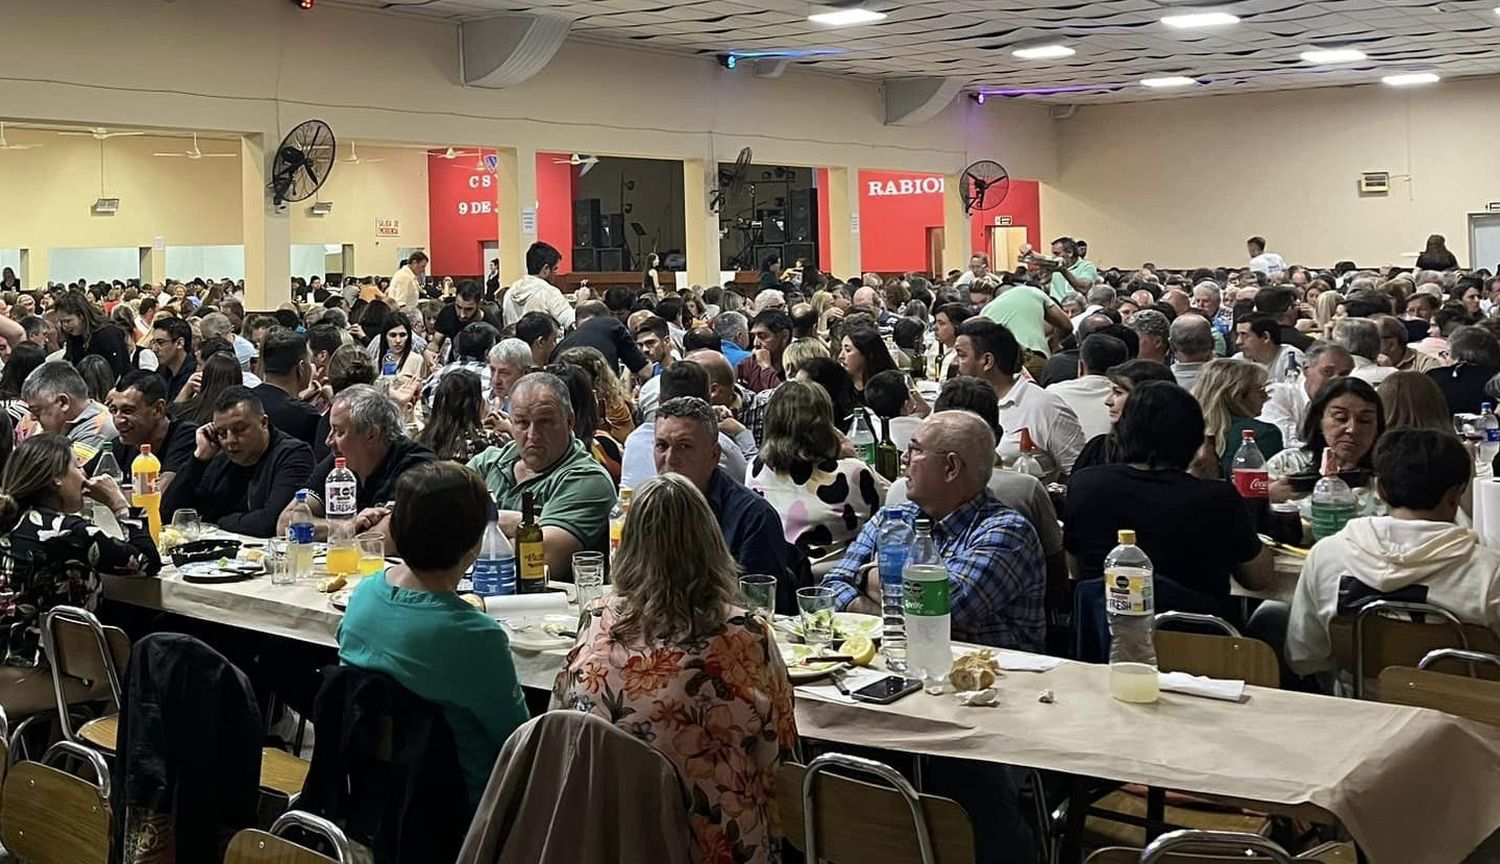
(303, 162)
(577, 159)
(731, 181)
(983, 186)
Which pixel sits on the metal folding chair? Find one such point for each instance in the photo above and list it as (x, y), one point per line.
(68, 634)
(253, 846)
(1382, 609)
(54, 817)
(1233, 844)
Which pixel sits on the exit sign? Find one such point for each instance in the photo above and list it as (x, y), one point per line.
(1002, 221)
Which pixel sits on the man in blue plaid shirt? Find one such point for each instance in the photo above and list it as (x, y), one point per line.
(996, 571)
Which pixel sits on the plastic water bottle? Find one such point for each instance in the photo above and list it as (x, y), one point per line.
(924, 599)
(1027, 461)
(340, 491)
(1489, 426)
(1333, 502)
(495, 568)
(1130, 607)
(863, 439)
(892, 545)
(299, 538)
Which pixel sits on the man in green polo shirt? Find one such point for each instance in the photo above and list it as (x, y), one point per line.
(1075, 274)
(573, 493)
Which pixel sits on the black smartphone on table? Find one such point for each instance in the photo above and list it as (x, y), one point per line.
(887, 690)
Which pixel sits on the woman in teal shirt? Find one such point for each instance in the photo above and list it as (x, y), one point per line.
(1232, 393)
(411, 624)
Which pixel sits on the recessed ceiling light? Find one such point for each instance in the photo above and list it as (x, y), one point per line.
(1168, 81)
(847, 17)
(1043, 52)
(1412, 79)
(1190, 20)
(1329, 56)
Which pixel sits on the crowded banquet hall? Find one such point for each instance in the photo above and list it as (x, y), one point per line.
(856, 431)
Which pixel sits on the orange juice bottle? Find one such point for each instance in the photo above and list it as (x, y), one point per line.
(145, 473)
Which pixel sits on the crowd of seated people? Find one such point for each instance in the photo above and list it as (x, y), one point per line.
(731, 417)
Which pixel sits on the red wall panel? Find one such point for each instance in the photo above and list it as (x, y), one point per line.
(556, 182)
(825, 227)
(464, 213)
(897, 207)
(1023, 204)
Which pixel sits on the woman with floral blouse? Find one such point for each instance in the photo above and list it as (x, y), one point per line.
(49, 555)
(674, 659)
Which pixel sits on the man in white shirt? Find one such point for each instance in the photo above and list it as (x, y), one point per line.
(1287, 402)
(1262, 261)
(406, 285)
(1415, 554)
(1258, 337)
(1192, 339)
(1361, 337)
(990, 352)
(1085, 394)
(979, 267)
(534, 292)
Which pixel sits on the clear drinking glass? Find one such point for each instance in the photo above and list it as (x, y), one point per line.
(371, 553)
(277, 563)
(188, 524)
(816, 606)
(760, 593)
(588, 576)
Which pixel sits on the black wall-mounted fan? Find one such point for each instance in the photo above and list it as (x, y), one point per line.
(983, 186)
(303, 162)
(731, 181)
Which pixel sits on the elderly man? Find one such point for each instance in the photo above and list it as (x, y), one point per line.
(138, 407)
(1154, 333)
(637, 464)
(997, 575)
(979, 267)
(57, 401)
(1208, 299)
(217, 324)
(772, 332)
(509, 360)
(868, 299)
(1287, 402)
(573, 493)
(1192, 338)
(242, 471)
(366, 429)
(990, 352)
(1394, 348)
(1361, 337)
(730, 401)
(733, 335)
(1476, 359)
(687, 443)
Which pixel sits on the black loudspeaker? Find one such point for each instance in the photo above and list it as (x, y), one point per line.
(808, 252)
(802, 217)
(586, 227)
(612, 233)
(586, 259)
(611, 260)
(772, 226)
(764, 252)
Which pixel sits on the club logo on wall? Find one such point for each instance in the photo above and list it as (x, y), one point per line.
(492, 162)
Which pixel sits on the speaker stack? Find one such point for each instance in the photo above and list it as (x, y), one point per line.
(598, 239)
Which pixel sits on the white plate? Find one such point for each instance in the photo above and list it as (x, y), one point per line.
(791, 653)
(845, 624)
(340, 598)
(541, 632)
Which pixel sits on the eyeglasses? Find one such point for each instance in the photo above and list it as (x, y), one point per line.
(913, 450)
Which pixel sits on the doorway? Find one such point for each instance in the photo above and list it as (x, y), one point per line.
(1005, 242)
(1484, 240)
(936, 243)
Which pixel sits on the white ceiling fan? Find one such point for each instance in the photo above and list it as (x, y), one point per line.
(450, 153)
(588, 162)
(99, 133)
(355, 159)
(6, 145)
(196, 154)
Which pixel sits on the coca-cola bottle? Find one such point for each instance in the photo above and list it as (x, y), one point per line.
(1252, 481)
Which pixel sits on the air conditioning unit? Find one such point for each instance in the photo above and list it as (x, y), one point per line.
(106, 206)
(322, 208)
(1375, 183)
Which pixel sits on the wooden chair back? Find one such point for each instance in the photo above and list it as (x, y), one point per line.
(1216, 656)
(1458, 695)
(74, 643)
(53, 817)
(1392, 641)
(253, 846)
(884, 833)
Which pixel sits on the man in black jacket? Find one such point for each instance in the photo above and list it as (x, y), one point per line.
(244, 471)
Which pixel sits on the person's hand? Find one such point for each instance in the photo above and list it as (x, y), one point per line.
(916, 405)
(763, 358)
(404, 391)
(846, 447)
(106, 491)
(834, 313)
(727, 424)
(369, 517)
(1280, 489)
(358, 331)
(193, 385)
(498, 421)
(206, 442)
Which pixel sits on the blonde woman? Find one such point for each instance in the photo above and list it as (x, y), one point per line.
(673, 658)
(1414, 400)
(799, 352)
(823, 499)
(1329, 309)
(616, 415)
(1232, 393)
(826, 304)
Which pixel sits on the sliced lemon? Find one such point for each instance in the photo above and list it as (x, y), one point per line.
(860, 648)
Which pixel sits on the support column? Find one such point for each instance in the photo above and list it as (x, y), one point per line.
(702, 224)
(268, 235)
(843, 244)
(33, 272)
(153, 264)
(956, 239)
(852, 187)
(517, 176)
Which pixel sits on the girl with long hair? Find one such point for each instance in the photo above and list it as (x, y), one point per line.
(864, 355)
(217, 374)
(455, 426)
(86, 331)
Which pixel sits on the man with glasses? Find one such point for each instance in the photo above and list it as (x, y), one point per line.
(172, 343)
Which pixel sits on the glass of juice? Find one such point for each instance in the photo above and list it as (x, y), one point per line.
(343, 553)
(371, 553)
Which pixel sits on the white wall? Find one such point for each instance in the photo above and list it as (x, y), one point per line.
(185, 263)
(96, 264)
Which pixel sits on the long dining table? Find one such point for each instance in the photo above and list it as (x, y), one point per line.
(1407, 784)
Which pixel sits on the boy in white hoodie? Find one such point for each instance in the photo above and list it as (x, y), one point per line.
(533, 293)
(1414, 554)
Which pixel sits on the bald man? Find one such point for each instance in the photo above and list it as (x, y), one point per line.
(997, 573)
(727, 399)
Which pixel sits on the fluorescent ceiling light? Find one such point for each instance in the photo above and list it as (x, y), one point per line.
(1190, 20)
(1043, 52)
(1411, 79)
(1168, 81)
(846, 17)
(1328, 56)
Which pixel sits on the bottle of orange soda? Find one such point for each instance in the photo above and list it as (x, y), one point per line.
(145, 474)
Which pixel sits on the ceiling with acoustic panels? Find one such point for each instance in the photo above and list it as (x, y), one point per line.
(1117, 42)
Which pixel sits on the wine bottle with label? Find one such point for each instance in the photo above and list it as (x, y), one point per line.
(887, 457)
(531, 556)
